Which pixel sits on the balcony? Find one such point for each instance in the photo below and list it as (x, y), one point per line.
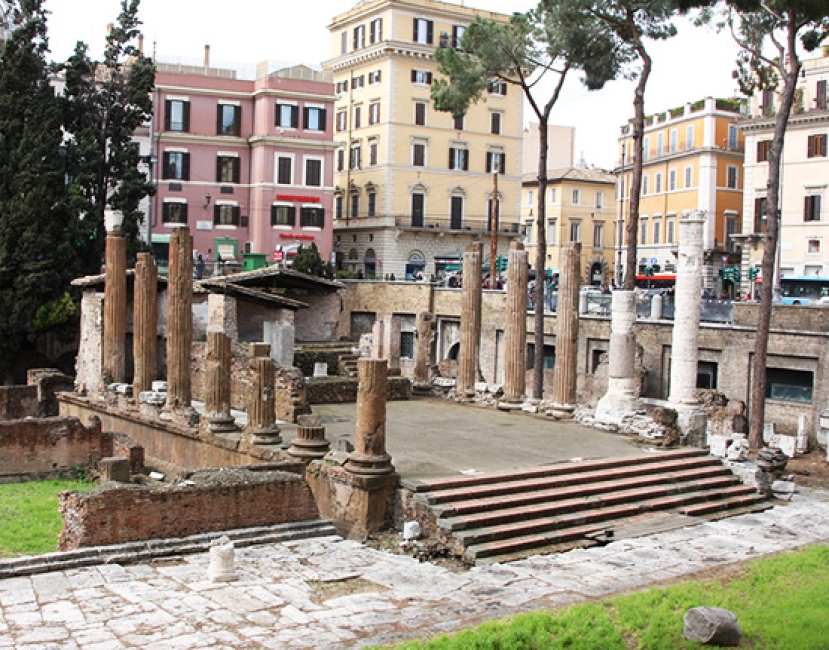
(446, 224)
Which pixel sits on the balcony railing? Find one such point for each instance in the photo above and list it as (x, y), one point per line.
(450, 225)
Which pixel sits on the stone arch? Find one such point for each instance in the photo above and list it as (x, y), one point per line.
(597, 272)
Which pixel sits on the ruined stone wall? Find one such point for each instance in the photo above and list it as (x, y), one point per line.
(335, 390)
(37, 448)
(18, 402)
(321, 320)
(798, 318)
(382, 299)
(114, 514)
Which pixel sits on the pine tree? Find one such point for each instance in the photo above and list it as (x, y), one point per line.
(308, 260)
(37, 259)
(105, 103)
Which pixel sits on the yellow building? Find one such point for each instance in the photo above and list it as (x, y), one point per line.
(693, 160)
(580, 207)
(415, 186)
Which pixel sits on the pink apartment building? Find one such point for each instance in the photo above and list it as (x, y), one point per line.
(246, 164)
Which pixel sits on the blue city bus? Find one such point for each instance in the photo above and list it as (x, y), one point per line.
(804, 289)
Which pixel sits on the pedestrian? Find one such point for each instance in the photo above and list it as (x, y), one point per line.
(200, 267)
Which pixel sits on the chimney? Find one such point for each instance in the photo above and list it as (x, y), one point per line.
(141, 43)
(206, 56)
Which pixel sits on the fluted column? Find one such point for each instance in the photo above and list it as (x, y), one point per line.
(423, 350)
(145, 323)
(180, 319)
(221, 311)
(369, 456)
(310, 442)
(567, 332)
(470, 322)
(515, 330)
(115, 302)
(262, 428)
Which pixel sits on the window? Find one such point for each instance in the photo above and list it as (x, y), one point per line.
(575, 231)
(458, 123)
(358, 115)
(598, 235)
(674, 138)
(660, 144)
(375, 30)
(283, 215)
(342, 86)
(343, 42)
(313, 118)
(228, 119)
(763, 150)
(374, 77)
(374, 113)
(495, 162)
(689, 137)
(497, 87)
(669, 239)
(671, 180)
(340, 160)
(313, 172)
(789, 385)
(359, 41)
(599, 200)
(813, 246)
(553, 194)
(226, 215)
(645, 184)
(355, 206)
(646, 145)
(342, 121)
(287, 116)
(551, 231)
(528, 234)
(457, 35)
(358, 82)
(177, 115)
(459, 158)
(356, 155)
(420, 113)
(817, 146)
(732, 137)
(643, 232)
(284, 170)
(760, 214)
(338, 207)
(689, 176)
(372, 204)
(423, 31)
(820, 95)
(175, 165)
(174, 212)
(419, 154)
(372, 152)
(657, 183)
(657, 232)
(495, 123)
(811, 208)
(421, 77)
(227, 169)
(731, 180)
(418, 203)
(576, 196)
(707, 375)
(311, 217)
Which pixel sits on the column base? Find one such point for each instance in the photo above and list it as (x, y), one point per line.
(692, 423)
(364, 465)
(265, 436)
(510, 405)
(422, 388)
(614, 406)
(308, 450)
(562, 411)
(223, 423)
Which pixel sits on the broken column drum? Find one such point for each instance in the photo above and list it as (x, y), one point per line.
(310, 442)
(369, 456)
(515, 329)
(470, 338)
(145, 323)
(622, 393)
(423, 349)
(180, 319)
(262, 428)
(115, 302)
(567, 334)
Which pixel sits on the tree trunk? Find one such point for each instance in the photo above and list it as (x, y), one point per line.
(540, 261)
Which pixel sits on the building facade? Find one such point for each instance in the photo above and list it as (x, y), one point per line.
(247, 164)
(415, 186)
(804, 226)
(693, 160)
(580, 207)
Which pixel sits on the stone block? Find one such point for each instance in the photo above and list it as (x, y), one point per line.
(712, 626)
(320, 370)
(116, 469)
(788, 445)
(719, 446)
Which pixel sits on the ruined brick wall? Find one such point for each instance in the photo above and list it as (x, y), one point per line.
(335, 390)
(321, 320)
(34, 448)
(114, 514)
(127, 448)
(18, 402)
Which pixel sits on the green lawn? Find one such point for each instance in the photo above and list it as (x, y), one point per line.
(31, 523)
(780, 602)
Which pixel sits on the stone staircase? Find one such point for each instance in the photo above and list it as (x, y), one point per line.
(347, 364)
(499, 517)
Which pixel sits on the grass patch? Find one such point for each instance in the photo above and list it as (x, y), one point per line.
(29, 512)
(780, 603)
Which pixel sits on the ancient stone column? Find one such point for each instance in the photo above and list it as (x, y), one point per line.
(515, 329)
(391, 344)
(470, 341)
(221, 310)
(622, 393)
(425, 325)
(310, 443)
(262, 428)
(115, 301)
(377, 339)
(567, 332)
(89, 367)
(369, 457)
(145, 323)
(684, 344)
(180, 319)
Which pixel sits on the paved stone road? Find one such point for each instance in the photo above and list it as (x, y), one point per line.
(289, 595)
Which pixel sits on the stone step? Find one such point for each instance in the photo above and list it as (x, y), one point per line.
(509, 500)
(440, 484)
(511, 484)
(732, 503)
(609, 495)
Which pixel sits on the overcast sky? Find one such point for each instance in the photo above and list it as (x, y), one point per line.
(695, 64)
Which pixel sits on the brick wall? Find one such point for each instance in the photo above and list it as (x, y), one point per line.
(115, 514)
(335, 390)
(18, 402)
(35, 448)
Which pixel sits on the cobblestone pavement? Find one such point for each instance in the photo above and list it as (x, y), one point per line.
(331, 593)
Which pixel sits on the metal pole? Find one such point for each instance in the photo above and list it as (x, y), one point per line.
(493, 234)
(620, 229)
